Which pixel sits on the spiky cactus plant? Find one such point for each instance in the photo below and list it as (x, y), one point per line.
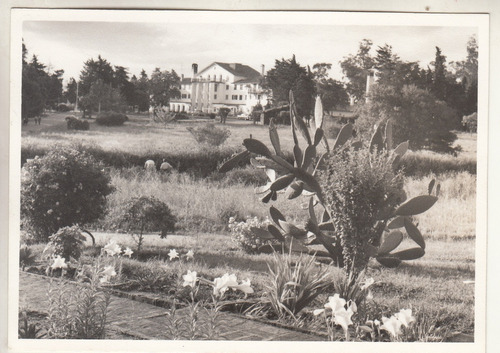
(324, 225)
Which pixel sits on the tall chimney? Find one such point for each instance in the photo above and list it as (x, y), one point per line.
(195, 69)
(232, 66)
(262, 69)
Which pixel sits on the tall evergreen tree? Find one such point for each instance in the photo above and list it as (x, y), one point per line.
(288, 75)
(439, 75)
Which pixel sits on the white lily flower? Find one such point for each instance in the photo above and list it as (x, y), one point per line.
(128, 252)
(173, 254)
(221, 284)
(112, 248)
(190, 279)
(342, 317)
(245, 287)
(335, 303)
(59, 262)
(405, 317)
(190, 255)
(109, 271)
(392, 325)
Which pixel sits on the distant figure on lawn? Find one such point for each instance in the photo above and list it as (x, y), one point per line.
(38, 120)
(150, 165)
(166, 167)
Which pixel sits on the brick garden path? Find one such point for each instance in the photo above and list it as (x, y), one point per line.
(145, 321)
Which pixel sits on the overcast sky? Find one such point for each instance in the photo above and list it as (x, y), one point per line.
(67, 45)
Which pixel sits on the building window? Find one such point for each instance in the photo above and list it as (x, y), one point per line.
(258, 96)
(189, 96)
(241, 97)
(227, 87)
(184, 96)
(235, 87)
(215, 87)
(215, 96)
(227, 97)
(209, 77)
(234, 97)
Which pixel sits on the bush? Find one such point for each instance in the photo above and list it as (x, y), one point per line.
(63, 188)
(73, 123)
(67, 242)
(246, 176)
(63, 107)
(470, 122)
(111, 119)
(210, 135)
(146, 214)
(244, 237)
(359, 187)
(283, 118)
(294, 283)
(26, 256)
(417, 116)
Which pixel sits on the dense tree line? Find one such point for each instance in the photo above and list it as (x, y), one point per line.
(41, 89)
(424, 104)
(100, 87)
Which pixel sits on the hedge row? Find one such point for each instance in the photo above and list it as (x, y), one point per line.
(199, 163)
(202, 163)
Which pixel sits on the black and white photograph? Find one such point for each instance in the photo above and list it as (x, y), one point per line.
(232, 181)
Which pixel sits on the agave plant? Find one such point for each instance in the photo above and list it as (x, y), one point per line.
(301, 179)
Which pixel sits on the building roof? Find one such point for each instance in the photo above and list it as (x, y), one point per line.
(255, 79)
(246, 72)
(239, 69)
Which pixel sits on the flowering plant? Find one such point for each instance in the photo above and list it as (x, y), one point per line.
(338, 312)
(243, 236)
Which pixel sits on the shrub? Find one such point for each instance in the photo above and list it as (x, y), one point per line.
(243, 236)
(358, 186)
(470, 122)
(283, 118)
(209, 134)
(63, 108)
(111, 119)
(73, 123)
(67, 242)
(26, 256)
(245, 176)
(416, 114)
(63, 188)
(294, 283)
(146, 214)
(223, 113)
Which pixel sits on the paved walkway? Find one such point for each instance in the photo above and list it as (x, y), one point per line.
(145, 321)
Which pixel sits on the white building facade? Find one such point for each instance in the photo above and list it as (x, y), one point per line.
(221, 85)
